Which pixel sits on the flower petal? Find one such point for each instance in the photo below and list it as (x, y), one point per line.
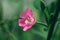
(29, 12)
(21, 22)
(23, 15)
(27, 20)
(27, 27)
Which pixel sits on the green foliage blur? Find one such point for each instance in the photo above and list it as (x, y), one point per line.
(44, 11)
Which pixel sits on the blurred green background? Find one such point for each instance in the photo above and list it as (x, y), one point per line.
(42, 9)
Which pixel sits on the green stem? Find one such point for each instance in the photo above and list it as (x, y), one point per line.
(53, 20)
(42, 24)
(12, 35)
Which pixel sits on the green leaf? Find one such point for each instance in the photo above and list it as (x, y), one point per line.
(42, 5)
(47, 14)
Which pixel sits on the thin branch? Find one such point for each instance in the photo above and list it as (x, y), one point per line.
(42, 24)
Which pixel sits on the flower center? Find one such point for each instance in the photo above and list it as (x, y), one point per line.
(29, 21)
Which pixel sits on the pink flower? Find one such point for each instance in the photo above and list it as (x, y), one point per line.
(27, 19)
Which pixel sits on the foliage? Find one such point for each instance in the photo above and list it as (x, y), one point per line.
(45, 11)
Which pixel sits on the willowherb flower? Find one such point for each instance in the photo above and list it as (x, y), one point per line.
(27, 19)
